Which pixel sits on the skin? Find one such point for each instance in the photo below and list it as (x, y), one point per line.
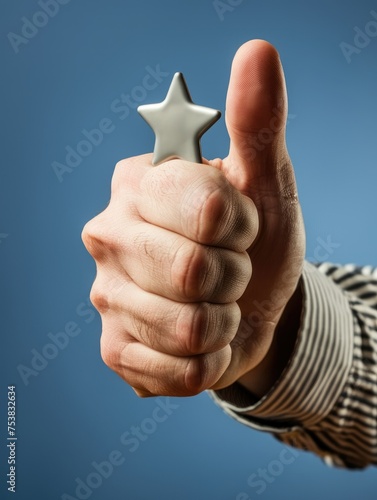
(198, 265)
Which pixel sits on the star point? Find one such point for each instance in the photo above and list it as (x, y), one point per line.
(178, 123)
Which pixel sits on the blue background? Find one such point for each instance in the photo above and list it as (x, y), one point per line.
(64, 80)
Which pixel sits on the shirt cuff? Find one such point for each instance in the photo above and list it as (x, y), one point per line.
(313, 380)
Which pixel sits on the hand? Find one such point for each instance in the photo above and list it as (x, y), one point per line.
(185, 250)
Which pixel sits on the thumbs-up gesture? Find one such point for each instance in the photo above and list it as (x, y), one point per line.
(198, 264)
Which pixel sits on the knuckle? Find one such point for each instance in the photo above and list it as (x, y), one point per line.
(209, 274)
(110, 354)
(98, 239)
(204, 370)
(92, 238)
(214, 212)
(207, 208)
(244, 224)
(232, 273)
(99, 298)
(192, 328)
(237, 275)
(88, 237)
(109, 292)
(188, 271)
(206, 328)
(195, 376)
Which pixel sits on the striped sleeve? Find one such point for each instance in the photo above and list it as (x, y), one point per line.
(325, 401)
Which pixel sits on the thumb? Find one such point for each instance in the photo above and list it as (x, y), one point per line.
(256, 112)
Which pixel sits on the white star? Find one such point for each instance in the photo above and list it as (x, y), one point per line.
(178, 123)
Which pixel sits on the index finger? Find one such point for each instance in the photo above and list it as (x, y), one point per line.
(196, 201)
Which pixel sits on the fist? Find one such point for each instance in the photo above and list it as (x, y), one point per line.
(186, 253)
(172, 263)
